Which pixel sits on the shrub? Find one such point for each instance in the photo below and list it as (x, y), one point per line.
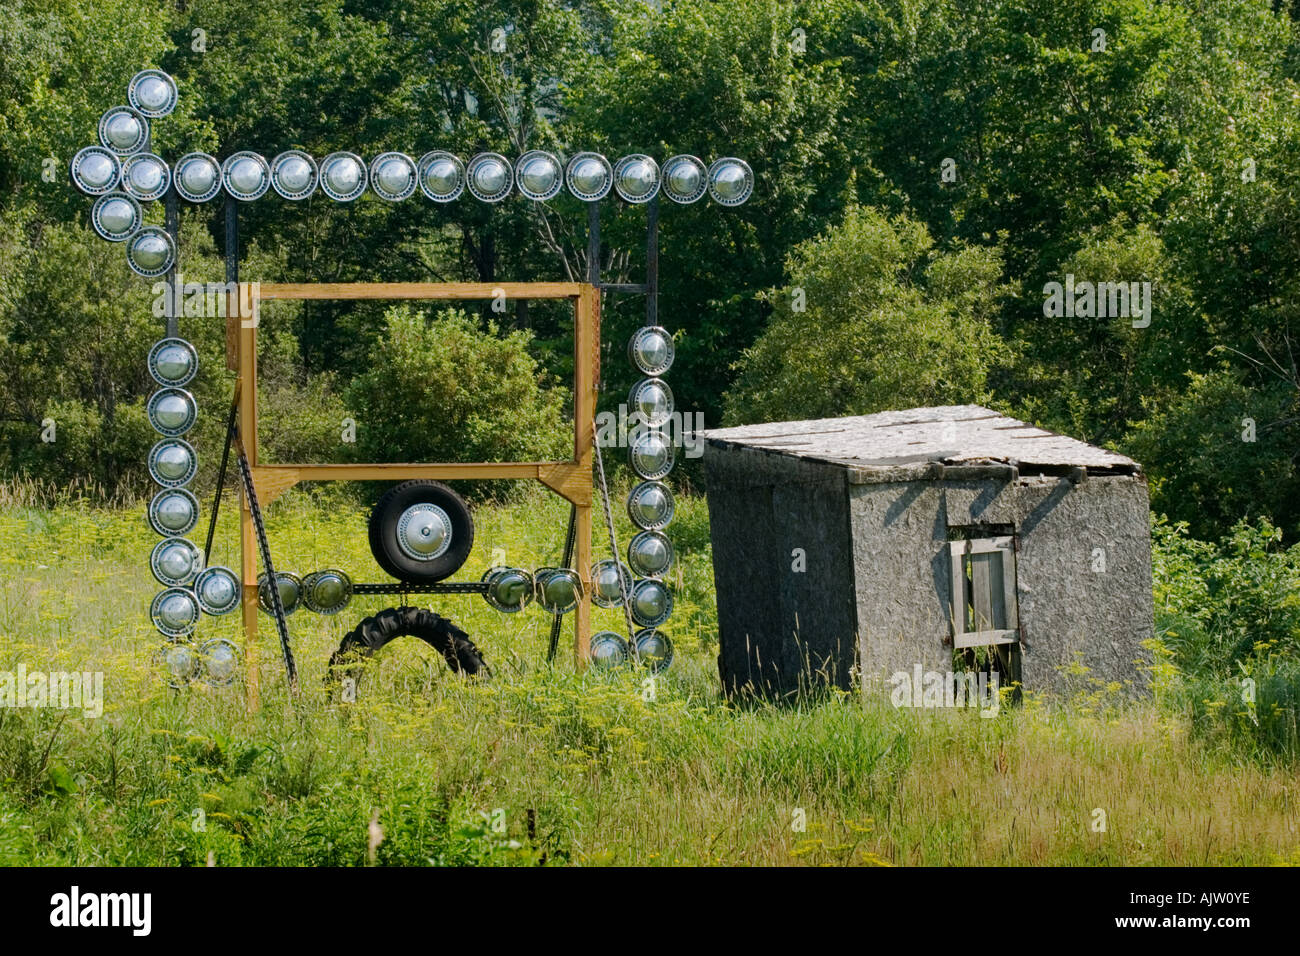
(1216, 604)
(1255, 712)
(447, 389)
(1202, 471)
(1228, 615)
(888, 323)
(302, 422)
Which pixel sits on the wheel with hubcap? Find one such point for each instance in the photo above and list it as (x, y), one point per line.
(421, 531)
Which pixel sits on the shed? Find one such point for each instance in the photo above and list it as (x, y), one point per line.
(837, 544)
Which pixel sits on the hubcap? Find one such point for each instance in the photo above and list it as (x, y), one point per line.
(608, 650)
(424, 531)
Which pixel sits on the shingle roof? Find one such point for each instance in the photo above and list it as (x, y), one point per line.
(952, 435)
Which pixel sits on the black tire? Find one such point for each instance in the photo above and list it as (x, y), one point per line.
(439, 633)
(383, 532)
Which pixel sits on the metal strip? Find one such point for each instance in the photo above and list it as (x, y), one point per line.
(171, 220)
(613, 548)
(409, 587)
(652, 262)
(557, 620)
(593, 243)
(221, 479)
(277, 606)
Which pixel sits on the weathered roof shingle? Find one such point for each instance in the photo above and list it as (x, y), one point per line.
(952, 435)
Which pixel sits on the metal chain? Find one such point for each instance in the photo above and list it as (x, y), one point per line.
(277, 606)
(613, 547)
(221, 481)
(557, 620)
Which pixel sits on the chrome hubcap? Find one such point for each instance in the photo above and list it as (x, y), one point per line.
(424, 532)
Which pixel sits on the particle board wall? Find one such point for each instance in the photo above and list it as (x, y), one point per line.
(1068, 611)
(901, 576)
(779, 626)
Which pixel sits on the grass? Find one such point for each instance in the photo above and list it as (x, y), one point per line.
(541, 766)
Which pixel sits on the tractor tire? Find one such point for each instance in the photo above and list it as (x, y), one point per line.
(438, 632)
(385, 527)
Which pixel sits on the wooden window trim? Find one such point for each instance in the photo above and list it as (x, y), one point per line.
(958, 552)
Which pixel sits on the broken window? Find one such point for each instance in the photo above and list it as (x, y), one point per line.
(984, 591)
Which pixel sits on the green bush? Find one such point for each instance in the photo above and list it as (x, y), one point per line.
(302, 422)
(872, 318)
(1206, 466)
(1253, 713)
(1216, 604)
(1228, 615)
(447, 389)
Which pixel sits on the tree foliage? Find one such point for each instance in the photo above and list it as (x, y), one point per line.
(872, 318)
(951, 158)
(451, 389)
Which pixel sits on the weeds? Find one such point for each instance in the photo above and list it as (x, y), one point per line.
(541, 766)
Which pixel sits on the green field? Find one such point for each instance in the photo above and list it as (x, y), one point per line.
(539, 766)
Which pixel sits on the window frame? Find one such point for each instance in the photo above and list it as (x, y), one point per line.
(962, 611)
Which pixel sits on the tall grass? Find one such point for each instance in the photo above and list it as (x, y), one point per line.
(539, 765)
(80, 492)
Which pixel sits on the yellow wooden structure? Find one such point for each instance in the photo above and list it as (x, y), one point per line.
(570, 479)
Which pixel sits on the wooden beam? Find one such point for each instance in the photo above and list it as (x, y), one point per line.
(232, 341)
(570, 480)
(247, 383)
(582, 562)
(991, 545)
(982, 579)
(421, 290)
(960, 604)
(983, 638)
(246, 392)
(248, 578)
(401, 471)
(586, 373)
(272, 481)
(1010, 594)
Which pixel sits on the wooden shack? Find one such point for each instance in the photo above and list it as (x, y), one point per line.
(847, 550)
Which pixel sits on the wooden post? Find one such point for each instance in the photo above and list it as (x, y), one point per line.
(247, 385)
(586, 373)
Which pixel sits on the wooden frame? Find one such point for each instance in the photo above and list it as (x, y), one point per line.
(571, 479)
(994, 600)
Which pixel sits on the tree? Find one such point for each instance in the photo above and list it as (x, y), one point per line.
(1225, 448)
(872, 318)
(717, 80)
(1091, 372)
